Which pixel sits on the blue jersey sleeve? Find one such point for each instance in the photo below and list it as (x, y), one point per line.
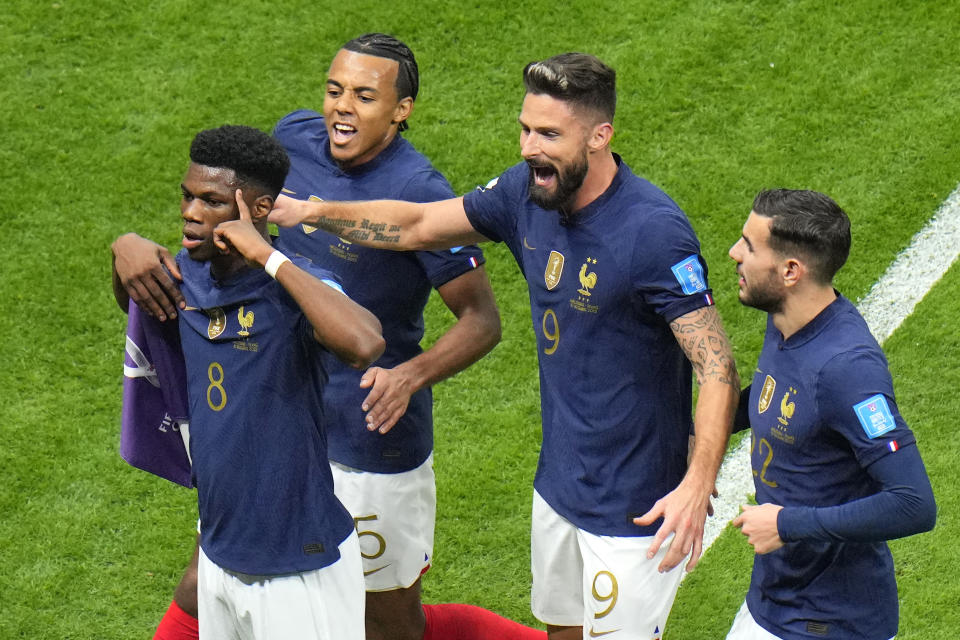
(291, 119)
(325, 276)
(443, 266)
(440, 266)
(493, 209)
(855, 398)
(669, 273)
(903, 505)
(304, 329)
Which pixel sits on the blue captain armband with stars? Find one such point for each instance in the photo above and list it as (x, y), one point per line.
(875, 416)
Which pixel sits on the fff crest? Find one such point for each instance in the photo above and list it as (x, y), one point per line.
(218, 322)
(766, 394)
(306, 227)
(551, 275)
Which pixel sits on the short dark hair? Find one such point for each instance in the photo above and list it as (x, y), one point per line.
(578, 78)
(808, 223)
(382, 45)
(256, 158)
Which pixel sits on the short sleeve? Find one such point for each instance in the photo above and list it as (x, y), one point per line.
(856, 400)
(669, 273)
(443, 266)
(427, 186)
(325, 276)
(493, 209)
(283, 125)
(440, 266)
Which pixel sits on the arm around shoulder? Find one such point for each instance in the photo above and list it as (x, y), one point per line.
(145, 272)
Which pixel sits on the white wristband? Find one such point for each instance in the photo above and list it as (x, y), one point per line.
(273, 263)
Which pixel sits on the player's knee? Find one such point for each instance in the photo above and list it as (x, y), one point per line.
(394, 615)
(185, 594)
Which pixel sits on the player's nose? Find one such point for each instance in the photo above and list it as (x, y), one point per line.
(529, 145)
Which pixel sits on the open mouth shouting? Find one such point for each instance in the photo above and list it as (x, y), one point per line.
(343, 133)
(544, 176)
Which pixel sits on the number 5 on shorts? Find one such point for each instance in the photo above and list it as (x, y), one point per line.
(381, 543)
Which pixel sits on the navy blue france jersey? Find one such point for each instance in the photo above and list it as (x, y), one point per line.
(822, 410)
(615, 386)
(254, 382)
(393, 285)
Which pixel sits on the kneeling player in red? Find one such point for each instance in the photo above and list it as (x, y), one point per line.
(279, 556)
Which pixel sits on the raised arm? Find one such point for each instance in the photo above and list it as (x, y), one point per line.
(384, 224)
(684, 510)
(475, 333)
(341, 325)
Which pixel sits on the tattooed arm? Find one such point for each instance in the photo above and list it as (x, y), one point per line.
(684, 510)
(383, 224)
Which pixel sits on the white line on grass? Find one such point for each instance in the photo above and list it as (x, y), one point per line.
(890, 301)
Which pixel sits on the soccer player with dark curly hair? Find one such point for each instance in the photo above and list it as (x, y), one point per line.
(278, 552)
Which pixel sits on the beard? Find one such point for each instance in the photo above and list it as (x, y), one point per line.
(569, 181)
(766, 296)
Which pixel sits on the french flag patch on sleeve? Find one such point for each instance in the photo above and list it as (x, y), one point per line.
(892, 445)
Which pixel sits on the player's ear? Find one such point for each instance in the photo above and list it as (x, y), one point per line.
(600, 137)
(403, 110)
(261, 207)
(793, 271)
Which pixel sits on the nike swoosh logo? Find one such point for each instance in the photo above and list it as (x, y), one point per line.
(527, 245)
(372, 571)
(597, 634)
(285, 190)
(189, 308)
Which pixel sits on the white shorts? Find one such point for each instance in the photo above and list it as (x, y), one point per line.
(325, 604)
(395, 515)
(602, 583)
(746, 628)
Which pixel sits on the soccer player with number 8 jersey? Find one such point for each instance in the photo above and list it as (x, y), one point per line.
(279, 556)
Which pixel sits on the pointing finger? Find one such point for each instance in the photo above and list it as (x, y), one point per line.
(242, 206)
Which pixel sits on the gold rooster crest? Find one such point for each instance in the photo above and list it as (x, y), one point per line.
(245, 320)
(587, 280)
(787, 408)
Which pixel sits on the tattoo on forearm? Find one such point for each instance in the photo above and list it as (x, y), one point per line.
(335, 224)
(366, 230)
(702, 338)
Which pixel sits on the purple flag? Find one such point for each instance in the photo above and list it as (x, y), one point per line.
(156, 411)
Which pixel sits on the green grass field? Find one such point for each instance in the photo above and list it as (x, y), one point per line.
(717, 99)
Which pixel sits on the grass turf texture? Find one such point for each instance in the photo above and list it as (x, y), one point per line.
(717, 100)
